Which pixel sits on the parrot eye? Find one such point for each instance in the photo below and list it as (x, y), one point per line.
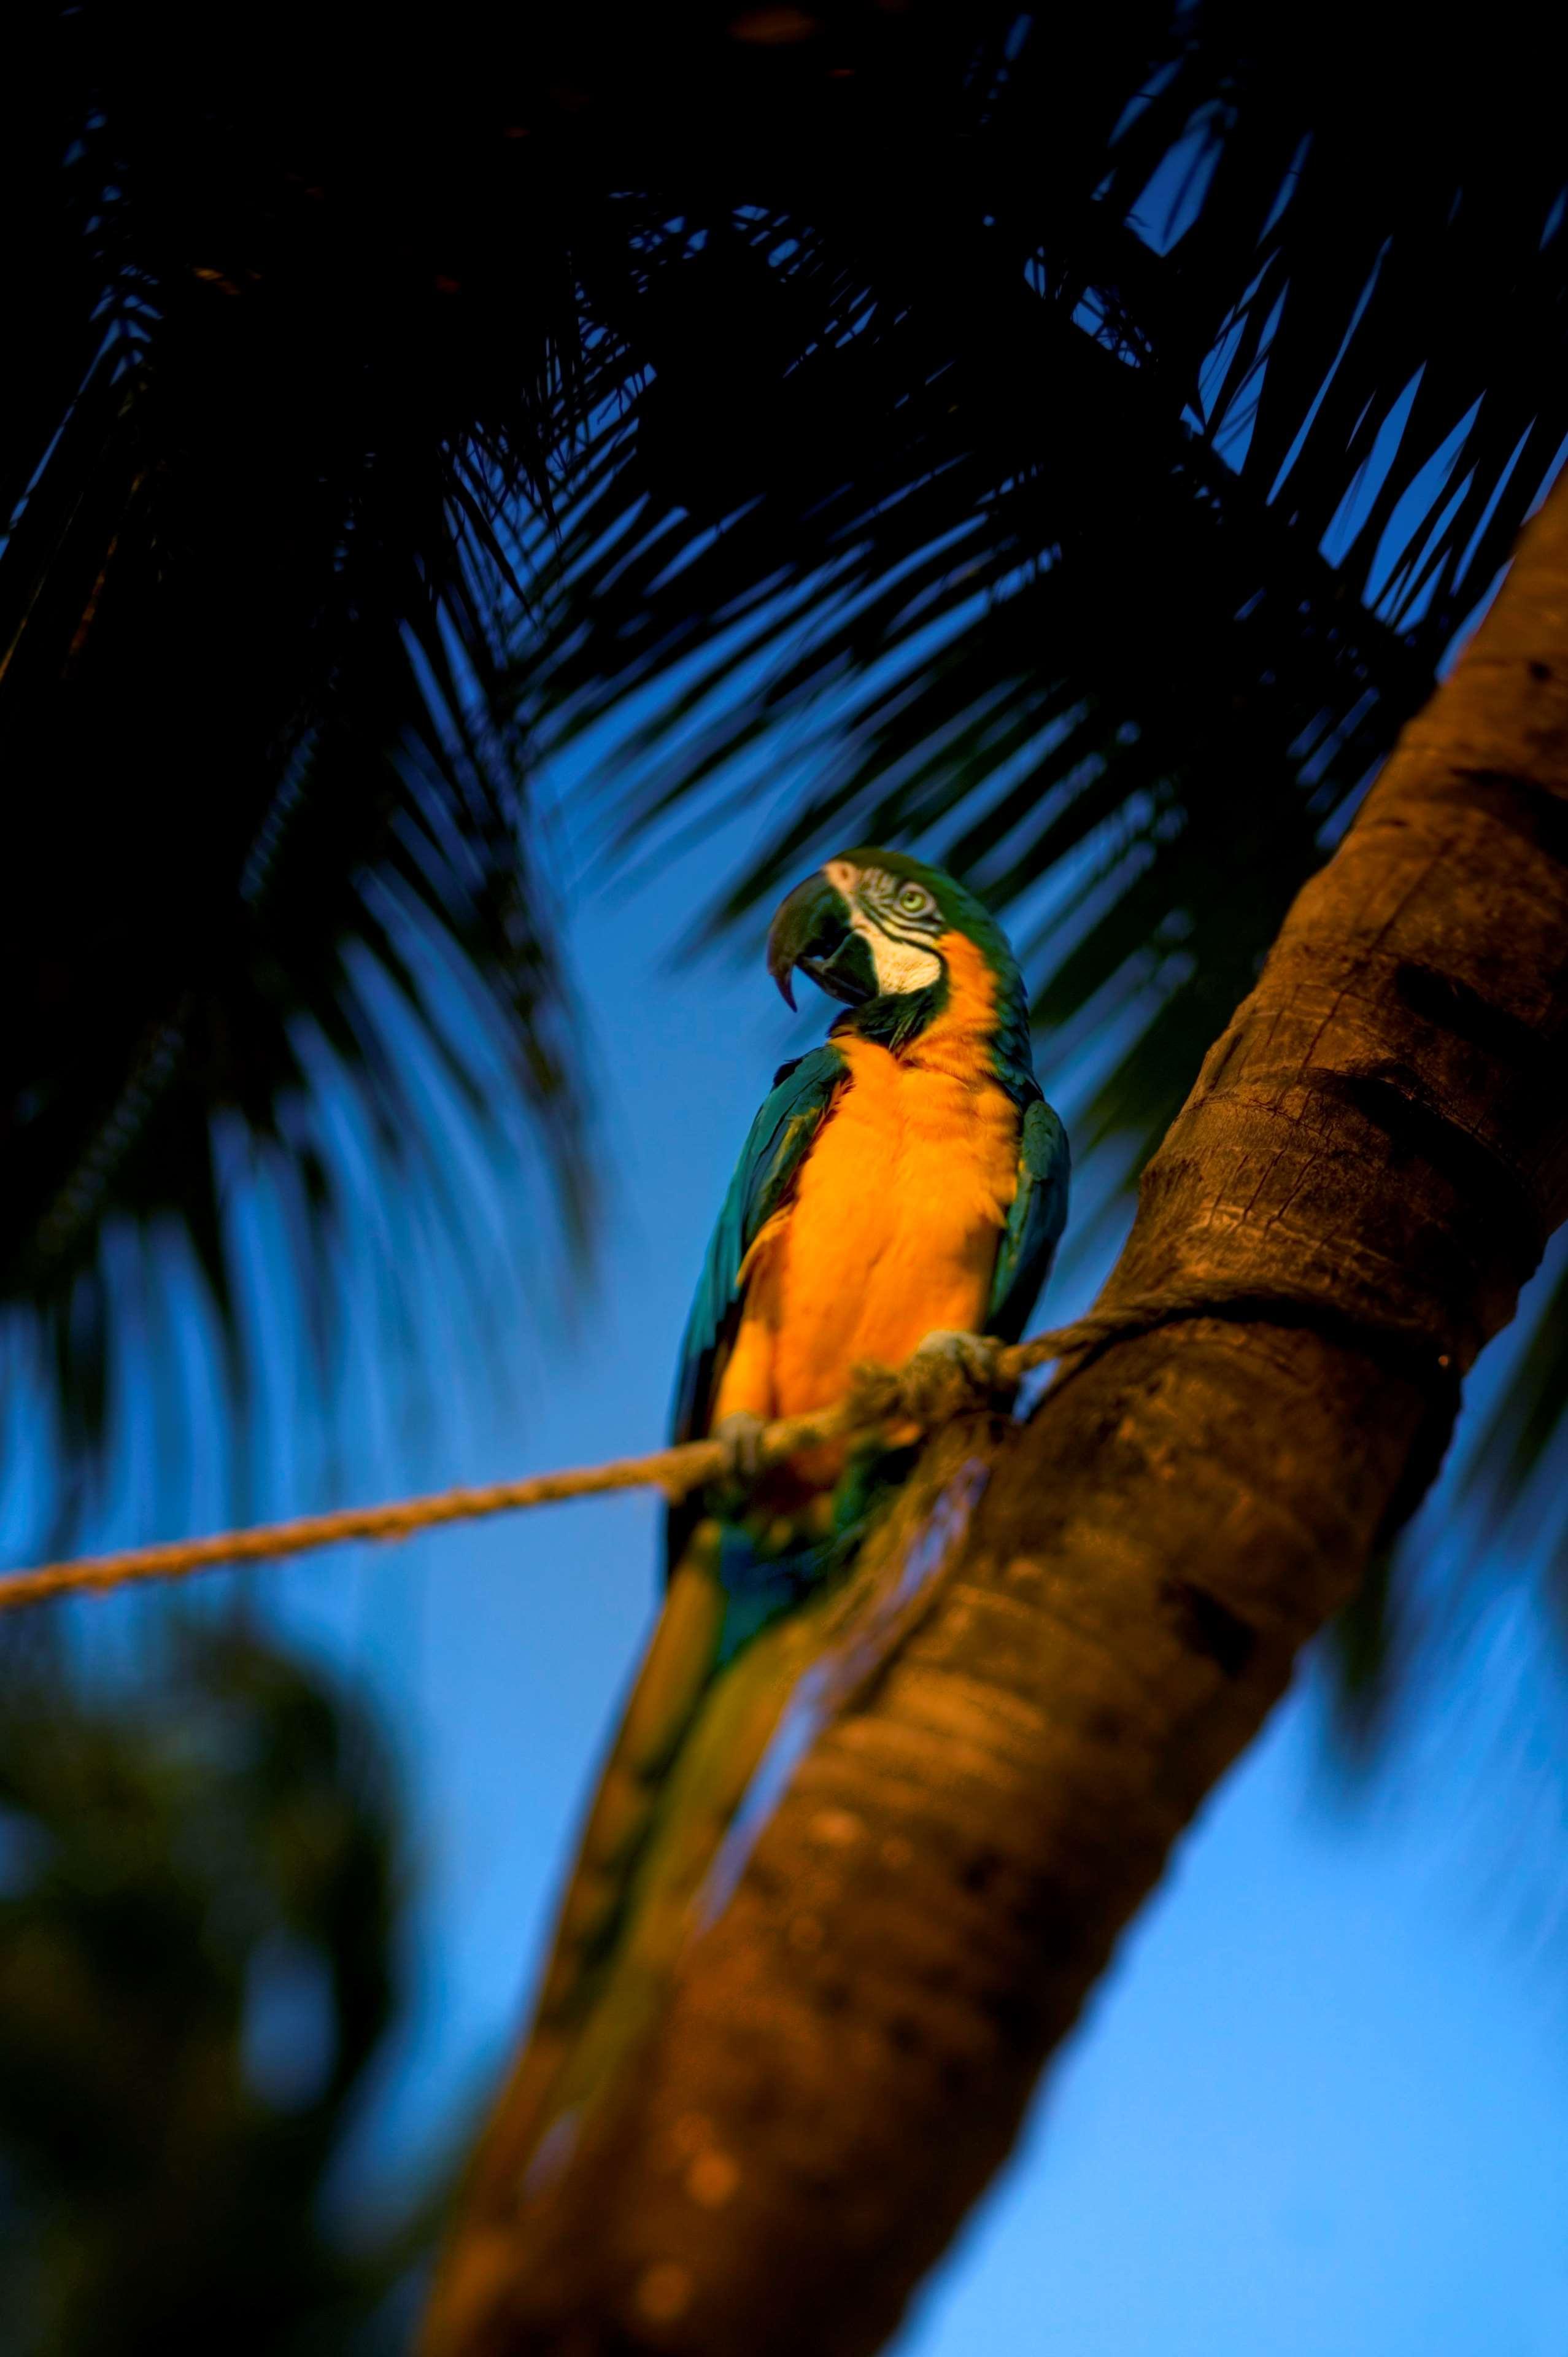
(914, 901)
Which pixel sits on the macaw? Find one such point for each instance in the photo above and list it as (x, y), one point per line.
(904, 1185)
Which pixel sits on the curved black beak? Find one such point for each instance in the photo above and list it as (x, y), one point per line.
(812, 931)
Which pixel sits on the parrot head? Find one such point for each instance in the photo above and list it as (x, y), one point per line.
(872, 925)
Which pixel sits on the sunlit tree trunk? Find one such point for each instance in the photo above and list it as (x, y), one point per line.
(1341, 1216)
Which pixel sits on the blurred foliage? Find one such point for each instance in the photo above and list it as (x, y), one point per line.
(199, 1878)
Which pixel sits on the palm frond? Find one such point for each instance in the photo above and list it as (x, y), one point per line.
(250, 619)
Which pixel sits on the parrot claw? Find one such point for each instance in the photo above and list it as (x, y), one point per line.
(955, 1374)
(741, 1437)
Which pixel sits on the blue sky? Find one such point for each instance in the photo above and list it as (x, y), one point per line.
(1319, 2108)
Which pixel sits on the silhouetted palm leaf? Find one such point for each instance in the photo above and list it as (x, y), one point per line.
(250, 613)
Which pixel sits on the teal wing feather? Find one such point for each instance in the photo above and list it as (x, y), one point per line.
(1034, 1222)
(788, 1119)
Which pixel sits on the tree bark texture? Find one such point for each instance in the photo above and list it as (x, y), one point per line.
(1341, 1216)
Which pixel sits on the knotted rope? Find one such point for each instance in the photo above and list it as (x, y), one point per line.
(926, 1391)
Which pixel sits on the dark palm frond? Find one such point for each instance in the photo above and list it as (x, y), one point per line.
(1507, 1490)
(198, 1930)
(250, 619)
(1054, 447)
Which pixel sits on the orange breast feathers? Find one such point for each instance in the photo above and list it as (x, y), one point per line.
(893, 1226)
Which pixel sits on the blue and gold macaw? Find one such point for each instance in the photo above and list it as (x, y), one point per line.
(904, 1185)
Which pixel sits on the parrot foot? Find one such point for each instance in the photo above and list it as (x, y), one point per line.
(740, 1435)
(956, 1374)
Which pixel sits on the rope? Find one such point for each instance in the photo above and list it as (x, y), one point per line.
(925, 1392)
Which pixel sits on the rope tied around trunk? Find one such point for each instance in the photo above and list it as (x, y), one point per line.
(927, 1391)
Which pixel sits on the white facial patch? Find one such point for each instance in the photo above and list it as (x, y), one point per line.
(901, 966)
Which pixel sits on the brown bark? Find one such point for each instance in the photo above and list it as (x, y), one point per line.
(1365, 1173)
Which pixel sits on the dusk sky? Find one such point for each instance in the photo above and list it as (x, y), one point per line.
(1084, 441)
(1320, 2106)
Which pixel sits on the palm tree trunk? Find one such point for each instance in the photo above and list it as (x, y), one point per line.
(1341, 1216)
